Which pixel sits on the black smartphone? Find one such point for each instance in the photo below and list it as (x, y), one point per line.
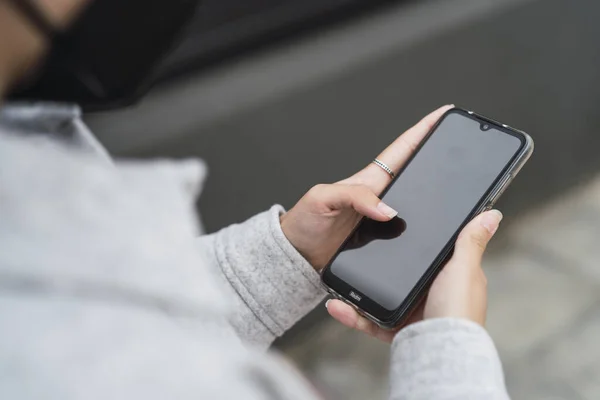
(460, 169)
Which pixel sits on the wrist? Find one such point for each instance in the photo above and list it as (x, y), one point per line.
(300, 240)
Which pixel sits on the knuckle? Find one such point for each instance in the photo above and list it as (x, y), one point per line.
(478, 240)
(409, 145)
(316, 191)
(364, 325)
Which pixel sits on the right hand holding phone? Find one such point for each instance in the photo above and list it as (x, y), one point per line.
(459, 291)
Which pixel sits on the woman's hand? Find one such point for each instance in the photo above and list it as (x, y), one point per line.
(459, 291)
(318, 224)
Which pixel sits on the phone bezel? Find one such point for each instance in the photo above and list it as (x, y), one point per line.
(391, 318)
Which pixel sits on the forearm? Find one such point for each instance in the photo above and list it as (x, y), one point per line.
(443, 359)
(271, 284)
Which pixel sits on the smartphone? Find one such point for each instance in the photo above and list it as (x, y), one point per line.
(384, 269)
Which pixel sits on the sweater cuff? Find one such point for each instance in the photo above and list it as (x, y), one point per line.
(454, 354)
(273, 279)
(297, 262)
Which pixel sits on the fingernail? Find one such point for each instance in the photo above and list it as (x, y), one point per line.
(386, 210)
(327, 303)
(491, 220)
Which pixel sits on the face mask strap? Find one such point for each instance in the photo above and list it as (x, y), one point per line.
(35, 16)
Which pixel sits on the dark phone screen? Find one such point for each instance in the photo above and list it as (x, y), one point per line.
(434, 195)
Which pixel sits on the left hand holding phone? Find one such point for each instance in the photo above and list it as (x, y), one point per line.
(459, 291)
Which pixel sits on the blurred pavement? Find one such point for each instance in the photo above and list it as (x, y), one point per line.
(544, 312)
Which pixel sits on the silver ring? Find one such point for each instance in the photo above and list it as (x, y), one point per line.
(384, 167)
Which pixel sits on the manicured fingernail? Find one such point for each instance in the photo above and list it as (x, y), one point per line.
(491, 220)
(327, 303)
(386, 210)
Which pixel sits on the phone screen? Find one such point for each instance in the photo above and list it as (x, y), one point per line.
(434, 195)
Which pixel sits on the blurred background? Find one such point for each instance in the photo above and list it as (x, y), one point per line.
(278, 95)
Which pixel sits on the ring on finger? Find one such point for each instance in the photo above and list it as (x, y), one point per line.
(384, 167)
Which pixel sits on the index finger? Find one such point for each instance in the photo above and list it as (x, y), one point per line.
(398, 153)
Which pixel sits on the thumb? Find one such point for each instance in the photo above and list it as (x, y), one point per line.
(359, 197)
(473, 239)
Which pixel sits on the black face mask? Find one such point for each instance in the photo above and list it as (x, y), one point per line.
(108, 57)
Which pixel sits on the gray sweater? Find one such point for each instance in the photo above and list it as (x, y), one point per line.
(107, 291)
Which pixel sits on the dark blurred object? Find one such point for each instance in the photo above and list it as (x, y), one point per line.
(108, 57)
(226, 28)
